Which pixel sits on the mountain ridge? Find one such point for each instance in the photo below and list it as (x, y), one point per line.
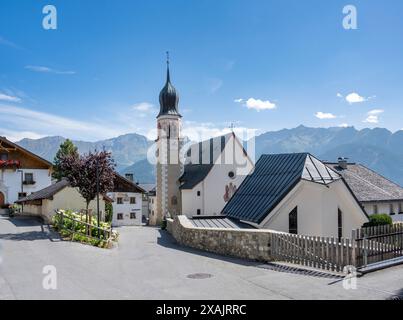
(378, 148)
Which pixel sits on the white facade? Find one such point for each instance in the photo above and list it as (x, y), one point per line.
(127, 208)
(67, 199)
(152, 209)
(392, 208)
(317, 210)
(210, 195)
(11, 184)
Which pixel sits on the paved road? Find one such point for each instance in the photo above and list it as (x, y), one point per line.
(148, 264)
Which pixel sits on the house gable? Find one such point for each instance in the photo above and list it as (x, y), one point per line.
(24, 158)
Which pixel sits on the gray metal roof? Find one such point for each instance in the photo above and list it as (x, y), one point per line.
(367, 185)
(47, 192)
(218, 222)
(148, 187)
(273, 178)
(200, 159)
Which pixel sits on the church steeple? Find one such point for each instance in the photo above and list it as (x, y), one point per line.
(169, 97)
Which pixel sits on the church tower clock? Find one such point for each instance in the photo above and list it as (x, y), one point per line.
(169, 166)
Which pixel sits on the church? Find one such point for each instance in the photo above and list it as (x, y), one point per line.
(201, 180)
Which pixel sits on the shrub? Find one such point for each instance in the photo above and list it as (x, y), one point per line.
(66, 227)
(164, 224)
(378, 220)
(108, 212)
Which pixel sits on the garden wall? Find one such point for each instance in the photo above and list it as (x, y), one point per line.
(242, 243)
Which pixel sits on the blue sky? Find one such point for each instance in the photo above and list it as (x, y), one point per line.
(263, 65)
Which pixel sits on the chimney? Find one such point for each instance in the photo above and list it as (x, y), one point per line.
(130, 176)
(343, 162)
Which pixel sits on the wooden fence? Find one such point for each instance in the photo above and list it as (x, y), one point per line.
(376, 244)
(366, 246)
(325, 253)
(106, 233)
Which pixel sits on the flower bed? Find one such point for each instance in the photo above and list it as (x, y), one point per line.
(73, 226)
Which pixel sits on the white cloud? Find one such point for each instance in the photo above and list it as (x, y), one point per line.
(373, 116)
(323, 115)
(37, 123)
(215, 84)
(354, 98)
(144, 107)
(343, 125)
(339, 95)
(257, 104)
(8, 43)
(376, 112)
(8, 98)
(43, 69)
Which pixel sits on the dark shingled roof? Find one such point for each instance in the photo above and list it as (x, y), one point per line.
(273, 178)
(367, 185)
(218, 222)
(47, 192)
(200, 160)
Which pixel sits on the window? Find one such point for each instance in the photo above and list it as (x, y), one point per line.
(22, 195)
(120, 216)
(339, 223)
(189, 153)
(400, 208)
(4, 156)
(129, 176)
(119, 200)
(198, 212)
(375, 209)
(198, 193)
(29, 178)
(293, 221)
(132, 200)
(231, 174)
(132, 215)
(391, 209)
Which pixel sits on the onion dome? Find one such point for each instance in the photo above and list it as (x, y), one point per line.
(169, 98)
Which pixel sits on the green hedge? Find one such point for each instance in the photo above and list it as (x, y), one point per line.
(378, 220)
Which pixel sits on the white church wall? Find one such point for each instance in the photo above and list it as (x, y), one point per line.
(213, 195)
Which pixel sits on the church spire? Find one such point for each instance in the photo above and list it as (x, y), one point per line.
(168, 75)
(169, 97)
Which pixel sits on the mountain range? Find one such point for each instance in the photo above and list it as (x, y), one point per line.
(379, 149)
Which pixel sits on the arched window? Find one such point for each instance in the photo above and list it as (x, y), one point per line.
(293, 221)
(339, 224)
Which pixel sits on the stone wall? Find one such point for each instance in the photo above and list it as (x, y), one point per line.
(242, 243)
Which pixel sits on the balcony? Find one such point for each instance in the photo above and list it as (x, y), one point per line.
(10, 163)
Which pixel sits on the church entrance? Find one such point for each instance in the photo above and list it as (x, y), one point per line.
(2, 200)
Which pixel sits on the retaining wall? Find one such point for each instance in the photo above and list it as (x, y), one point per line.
(242, 243)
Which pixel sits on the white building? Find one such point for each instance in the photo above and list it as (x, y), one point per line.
(127, 204)
(21, 172)
(60, 195)
(213, 170)
(376, 193)
(299, 194)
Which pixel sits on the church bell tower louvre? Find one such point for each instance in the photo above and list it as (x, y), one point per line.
(169, 167)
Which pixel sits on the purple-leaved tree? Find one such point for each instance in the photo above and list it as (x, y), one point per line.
(82, 174)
